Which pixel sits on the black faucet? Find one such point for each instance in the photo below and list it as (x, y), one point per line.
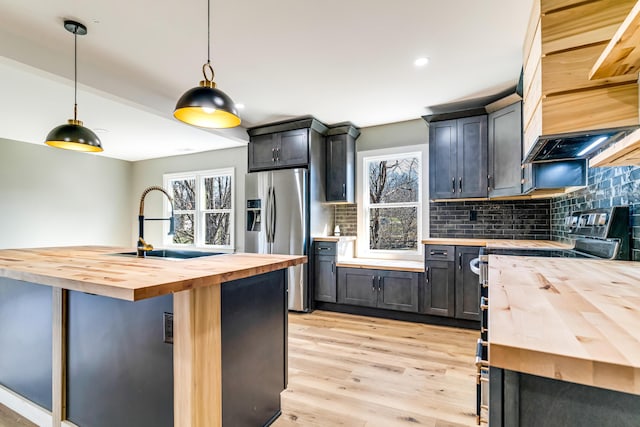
(142, 246)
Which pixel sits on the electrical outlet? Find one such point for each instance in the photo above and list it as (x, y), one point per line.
(473, 215)
(167, 327)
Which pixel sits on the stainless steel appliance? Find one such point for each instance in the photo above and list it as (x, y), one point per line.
(599, 233)
(283, 208)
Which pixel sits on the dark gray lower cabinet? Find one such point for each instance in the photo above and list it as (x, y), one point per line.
(451, 289)
(393, 290)
(439, 288)
(523, 400)
(325, 278)
(467, 284)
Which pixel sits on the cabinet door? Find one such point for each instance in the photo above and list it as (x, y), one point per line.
(439, 284)
(398, 290)
(357, 286)
(325, 278)
(293, 149)
(262, 152)
(442, 159)
(505, 151)
(467, 284)
(340, 168)
(471, 180)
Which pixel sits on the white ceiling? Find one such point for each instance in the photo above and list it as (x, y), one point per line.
(348, 60)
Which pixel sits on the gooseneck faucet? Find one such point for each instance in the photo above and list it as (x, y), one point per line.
(144, 247)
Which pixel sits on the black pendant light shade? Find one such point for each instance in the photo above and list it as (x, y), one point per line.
(204, 105)
(73, 135)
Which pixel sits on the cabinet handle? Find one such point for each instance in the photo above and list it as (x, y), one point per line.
(488, 182)
(460, 184)
(438, 253)
(324, 248)
(379, 285)
(373, 283)
(453, 185)
(273, 154)
(426, 274)
(460, 261)
(278, 154)
(333, 266)
(344, 190)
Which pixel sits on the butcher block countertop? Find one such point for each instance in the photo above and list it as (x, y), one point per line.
(382, 264)
(500, 243)
(95, 270)
(569, 319)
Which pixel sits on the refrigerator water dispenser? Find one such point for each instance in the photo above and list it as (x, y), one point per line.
(254, 215)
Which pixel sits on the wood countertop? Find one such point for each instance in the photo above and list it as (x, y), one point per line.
(96, 270)
(334, 238)
(570, 319)
(382, 264)
(500, 243)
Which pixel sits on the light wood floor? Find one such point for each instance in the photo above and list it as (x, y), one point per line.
(358, 371)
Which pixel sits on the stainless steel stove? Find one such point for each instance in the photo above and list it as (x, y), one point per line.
(598, 233)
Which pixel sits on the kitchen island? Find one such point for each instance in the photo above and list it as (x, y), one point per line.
(101, 339)
(564, 347)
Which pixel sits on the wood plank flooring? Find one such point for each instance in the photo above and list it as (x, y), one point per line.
(356, 371)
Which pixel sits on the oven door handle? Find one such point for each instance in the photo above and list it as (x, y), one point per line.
(474, 265)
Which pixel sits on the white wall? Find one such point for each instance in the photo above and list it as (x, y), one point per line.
(149, 172)
(53, 197)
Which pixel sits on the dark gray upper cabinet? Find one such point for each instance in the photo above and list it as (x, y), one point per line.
(458, 158)
(340, 166)
(282, 145)
(393, 290)
(505, 151)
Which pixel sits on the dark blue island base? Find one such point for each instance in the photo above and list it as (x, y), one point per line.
(523, 400)
(119, 369)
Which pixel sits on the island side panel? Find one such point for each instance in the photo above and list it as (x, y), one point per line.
(25, 340)
(254, 328)
(119, 369)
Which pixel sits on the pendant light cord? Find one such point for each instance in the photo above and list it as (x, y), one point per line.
(208, 31)
(75, 74)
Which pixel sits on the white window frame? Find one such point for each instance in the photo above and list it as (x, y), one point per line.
(362, 183)
(200, 211)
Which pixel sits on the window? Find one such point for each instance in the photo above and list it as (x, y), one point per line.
(390, 217)
(203, 208)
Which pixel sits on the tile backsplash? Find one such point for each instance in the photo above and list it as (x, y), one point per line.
(504, 219)
(606, 187)
(346, 216)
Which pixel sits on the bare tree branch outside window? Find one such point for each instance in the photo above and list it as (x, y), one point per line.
(394, 187)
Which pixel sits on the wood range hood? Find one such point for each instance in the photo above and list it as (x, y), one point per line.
(562, 105)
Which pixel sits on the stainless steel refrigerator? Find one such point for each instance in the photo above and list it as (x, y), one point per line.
(278, 222)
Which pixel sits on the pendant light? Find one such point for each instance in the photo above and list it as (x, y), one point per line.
(205, 105)
(73, 135)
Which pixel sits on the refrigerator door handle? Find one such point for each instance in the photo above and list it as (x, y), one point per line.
(274, 214)
(267, 222)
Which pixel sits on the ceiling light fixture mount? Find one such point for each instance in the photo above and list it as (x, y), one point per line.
(205, 105)
(73, 135)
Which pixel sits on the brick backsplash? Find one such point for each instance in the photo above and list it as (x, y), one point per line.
(505, 219)
(346, 216)
(606, 187)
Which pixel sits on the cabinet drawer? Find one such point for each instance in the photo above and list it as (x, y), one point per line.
(325, 248)
(440, 252)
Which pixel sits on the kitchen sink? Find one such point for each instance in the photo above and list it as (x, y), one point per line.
(172, 254)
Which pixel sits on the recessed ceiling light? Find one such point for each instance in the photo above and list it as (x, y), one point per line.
(240, 106)
(421, 62)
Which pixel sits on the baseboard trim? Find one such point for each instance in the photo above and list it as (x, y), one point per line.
(397, 315)
(26, 408)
